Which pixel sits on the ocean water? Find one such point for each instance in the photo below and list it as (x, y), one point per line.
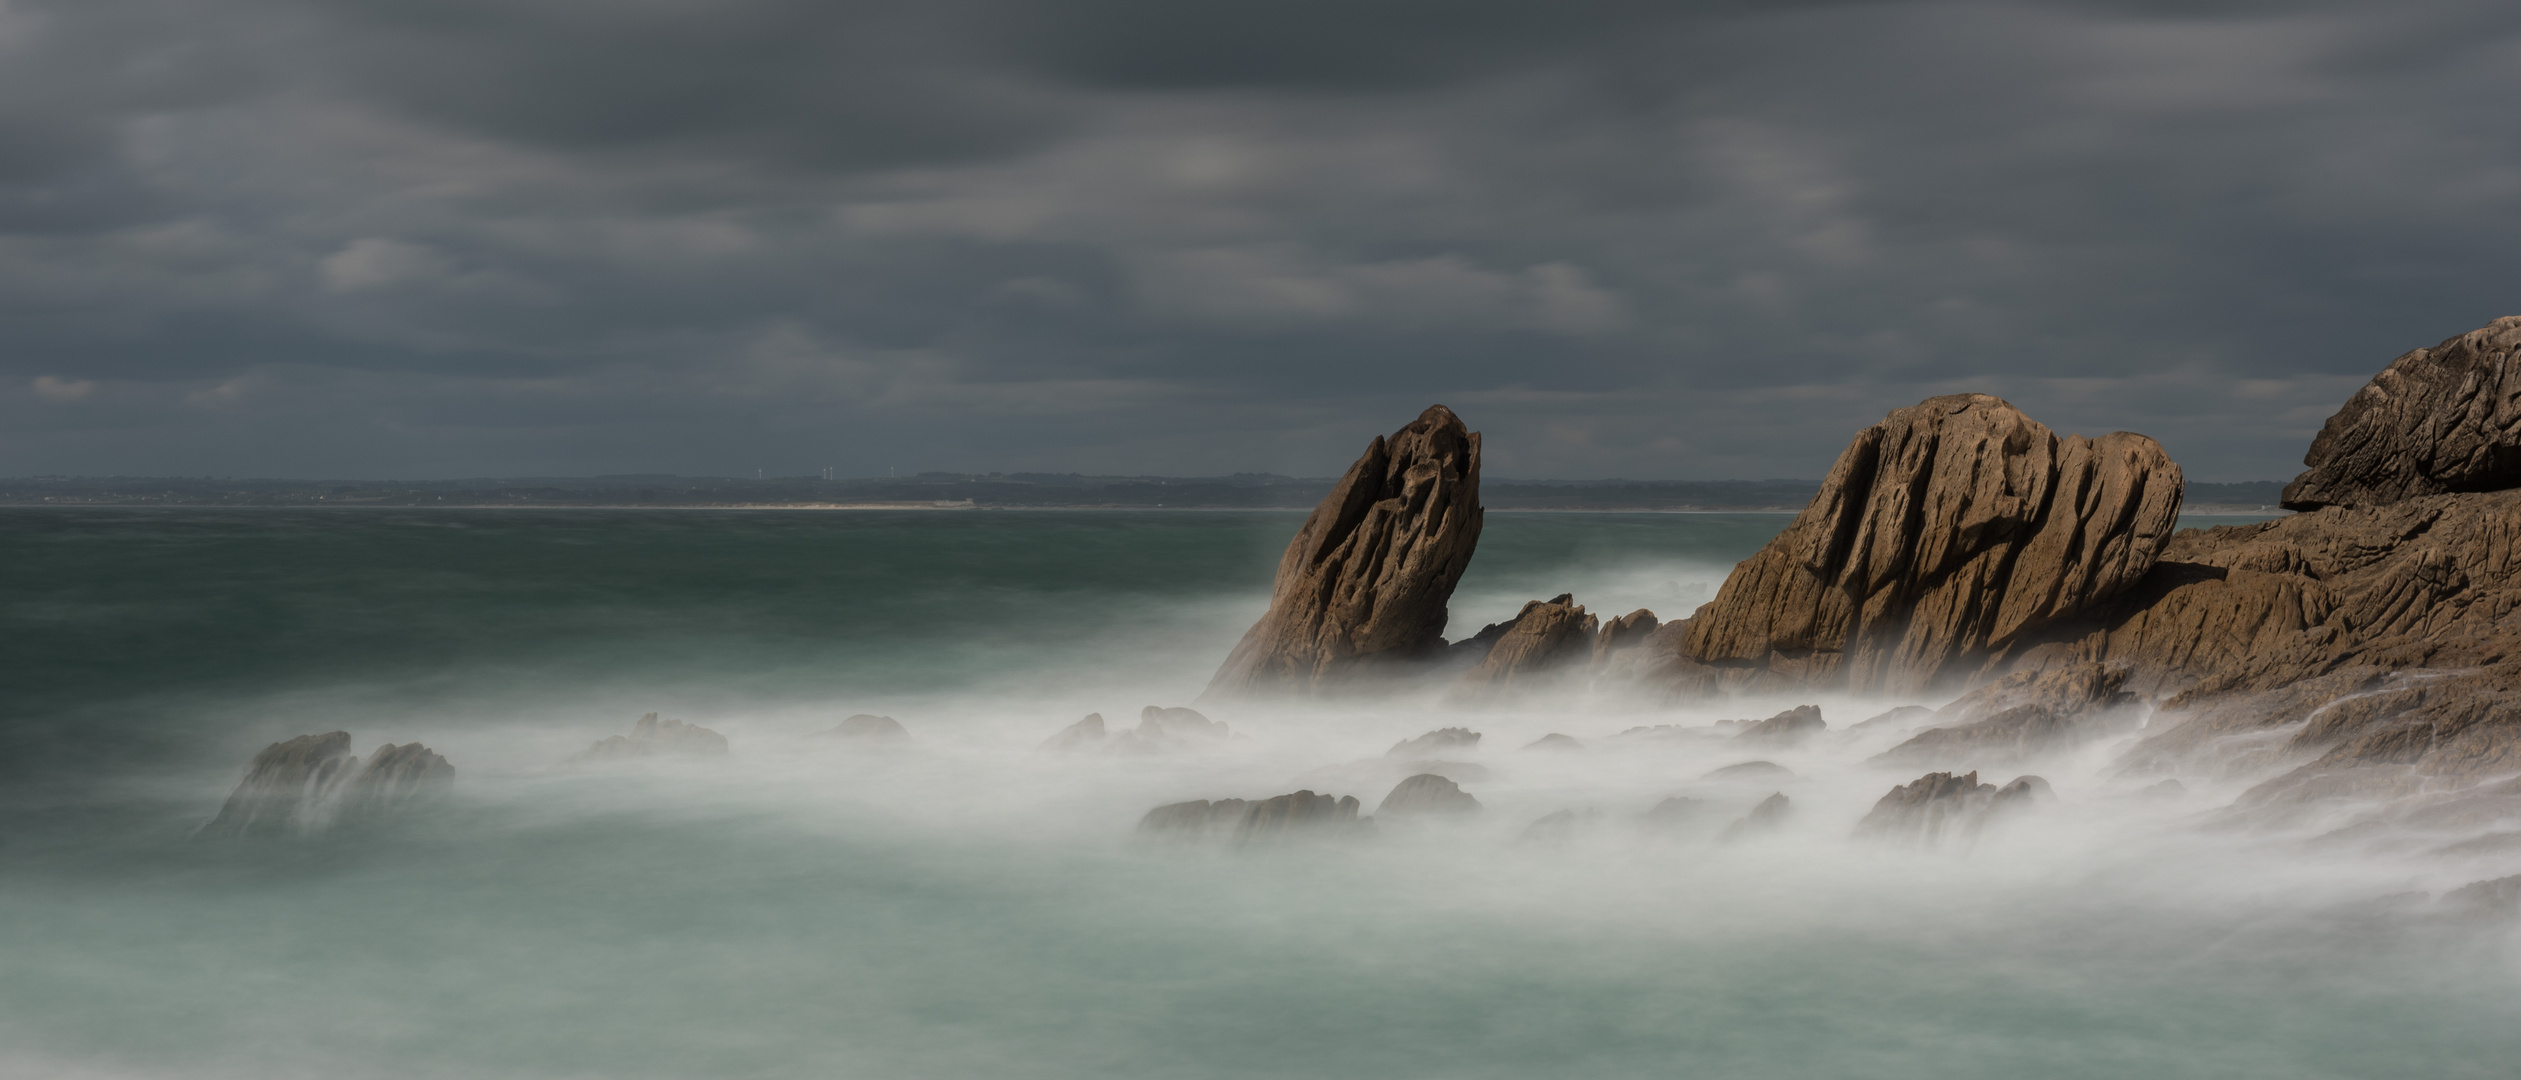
(969, 906)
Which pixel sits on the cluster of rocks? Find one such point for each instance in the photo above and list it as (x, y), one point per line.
(312, 783)
(1159, 730)
(1303, 814)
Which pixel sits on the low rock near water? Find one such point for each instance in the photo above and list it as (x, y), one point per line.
(1239, 822)
(1427, 794)
(1752, 770)
(1547, 636)
(1159, 730)
(651, 737)
(2024, 715)
(1786, 729)
(1676, 815)
(1768, 817)
(866, 727)
(1086, 734)
(311, 783)
(1936, 806)
(1561, 827)
(1555, 742)
(1435, 743)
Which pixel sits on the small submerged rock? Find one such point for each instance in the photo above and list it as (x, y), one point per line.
(1784, 730)
(1239, 822)
(865, 727)
(1752, 770)
(1427, 793)
(1674, 815)
(1560, 827)
(1433, 743)
(1923, 812)
(304, 785)
(1159, 730)
(651, 737)
(1085, 734)
(1768, 817)
(1555, 742)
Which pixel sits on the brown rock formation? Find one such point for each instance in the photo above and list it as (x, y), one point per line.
(1942, 535)
(1547, 635)
(1622, 634)
(2436, 420)
(1926, 810)
(1427, 793)
(1365, 581)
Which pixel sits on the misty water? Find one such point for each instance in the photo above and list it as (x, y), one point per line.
(969, 906)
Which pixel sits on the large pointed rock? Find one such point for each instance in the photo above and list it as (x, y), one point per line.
(2436, 420)
(1942, 535)
(1365, 582)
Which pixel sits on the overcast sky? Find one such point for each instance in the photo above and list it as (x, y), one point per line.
(438, 238)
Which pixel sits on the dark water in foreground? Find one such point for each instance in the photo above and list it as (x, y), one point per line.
(969, 907)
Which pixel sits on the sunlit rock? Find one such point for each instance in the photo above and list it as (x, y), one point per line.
(1768, 817)
(1439, 741)
(304, 785)
(1942, 535)
(1621, 636)
(2436, 420)
(1427, 794)
(1363, 586)
(651, 737)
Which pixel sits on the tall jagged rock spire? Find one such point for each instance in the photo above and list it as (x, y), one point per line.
(1942, 534)
(1365, 581)
(2436, 420)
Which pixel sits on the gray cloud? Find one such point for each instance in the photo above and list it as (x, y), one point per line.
(393, 238)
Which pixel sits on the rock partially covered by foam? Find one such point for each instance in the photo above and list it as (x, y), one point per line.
(1435, 743)
(1364, 584)
(1159, 730)
(1786, 729)
(2023, 715)
(1086, 734)
(867, 727)
(2436, 420)
(304, 785)
(1768, 817)
(1427, 793)
(651, 737)
(1546, 636)
(1240, 822)
(1942, 535)
(1927, 810)
(1196, 820)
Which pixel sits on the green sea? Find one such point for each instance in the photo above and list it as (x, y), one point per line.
(969, 905)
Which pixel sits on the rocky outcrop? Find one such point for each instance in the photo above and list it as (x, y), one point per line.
(1160, 730)
(1434, 743)
(650, 737)
(1555, 743)
(1238, 822)
(1621, 635)
(2023, 715)
(1546, 636)
(1927, 810)
(1427, 794)
(1768, 817)
(866, 727)
(1784, 730)
(1364, 584)
(1942, 536)
(2435, 420)
(307, 784)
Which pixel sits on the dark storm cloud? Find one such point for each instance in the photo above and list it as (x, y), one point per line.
(397, 237)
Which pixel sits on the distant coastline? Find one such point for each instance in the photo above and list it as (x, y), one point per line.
(947, 491)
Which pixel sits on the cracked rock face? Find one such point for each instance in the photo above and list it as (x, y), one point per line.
(2436, 420)
(1942, 535)
(1365, 582)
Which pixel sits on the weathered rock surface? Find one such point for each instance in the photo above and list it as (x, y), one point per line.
(1768, 817)
(1427, 793)
(1546, 636)
(650, 737)
(1433, 743)
(1937, 806)
(1786, 729)
(1940, 538)
(867, 727)
(1364, 584)
(2435, 420)
(304, 785)
(1621, 635)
